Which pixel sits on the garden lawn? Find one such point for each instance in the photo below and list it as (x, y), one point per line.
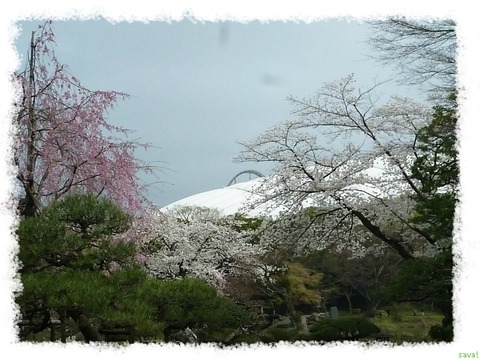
(403, 326)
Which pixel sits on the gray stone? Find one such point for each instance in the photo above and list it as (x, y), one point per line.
(334, 312)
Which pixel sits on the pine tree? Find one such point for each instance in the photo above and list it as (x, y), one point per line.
(74, 268)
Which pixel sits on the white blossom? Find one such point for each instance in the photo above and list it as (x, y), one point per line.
(200, 244)
(349, 157)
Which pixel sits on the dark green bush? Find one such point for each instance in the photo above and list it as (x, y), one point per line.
(342, 329)
(280, 334)
(249, 338)
(441, 333)
(192, 303)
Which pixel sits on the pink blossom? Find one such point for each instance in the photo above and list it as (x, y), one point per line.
(65, 145)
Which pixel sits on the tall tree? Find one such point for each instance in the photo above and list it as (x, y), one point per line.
(65, 144)
(368, 276)
(436, 167)
(350, 158)
(424, 51)
(296, 286)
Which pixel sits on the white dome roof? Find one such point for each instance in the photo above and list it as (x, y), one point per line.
(229, 200)
(234, 199)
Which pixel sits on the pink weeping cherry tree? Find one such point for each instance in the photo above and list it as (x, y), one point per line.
(65, 144)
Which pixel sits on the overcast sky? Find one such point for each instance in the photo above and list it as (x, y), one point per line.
(197, 89)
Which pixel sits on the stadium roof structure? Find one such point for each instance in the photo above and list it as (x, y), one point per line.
(236, 197)
(229, 200)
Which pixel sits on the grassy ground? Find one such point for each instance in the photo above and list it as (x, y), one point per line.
(403, 326)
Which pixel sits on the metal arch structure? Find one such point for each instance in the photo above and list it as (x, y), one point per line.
(250, 172)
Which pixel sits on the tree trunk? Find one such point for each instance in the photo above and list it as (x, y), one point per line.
(375, 230)
(88, 332)
(349, 300)
(63, 319)
(299, 322)
(373, 306)
(27, 206)
(84, 326)
(28, 203)
(371, 309)
(52, 332)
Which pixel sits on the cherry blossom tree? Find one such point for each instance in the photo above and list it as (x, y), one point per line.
(65, 144)
(202, 245)
(349, 157)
